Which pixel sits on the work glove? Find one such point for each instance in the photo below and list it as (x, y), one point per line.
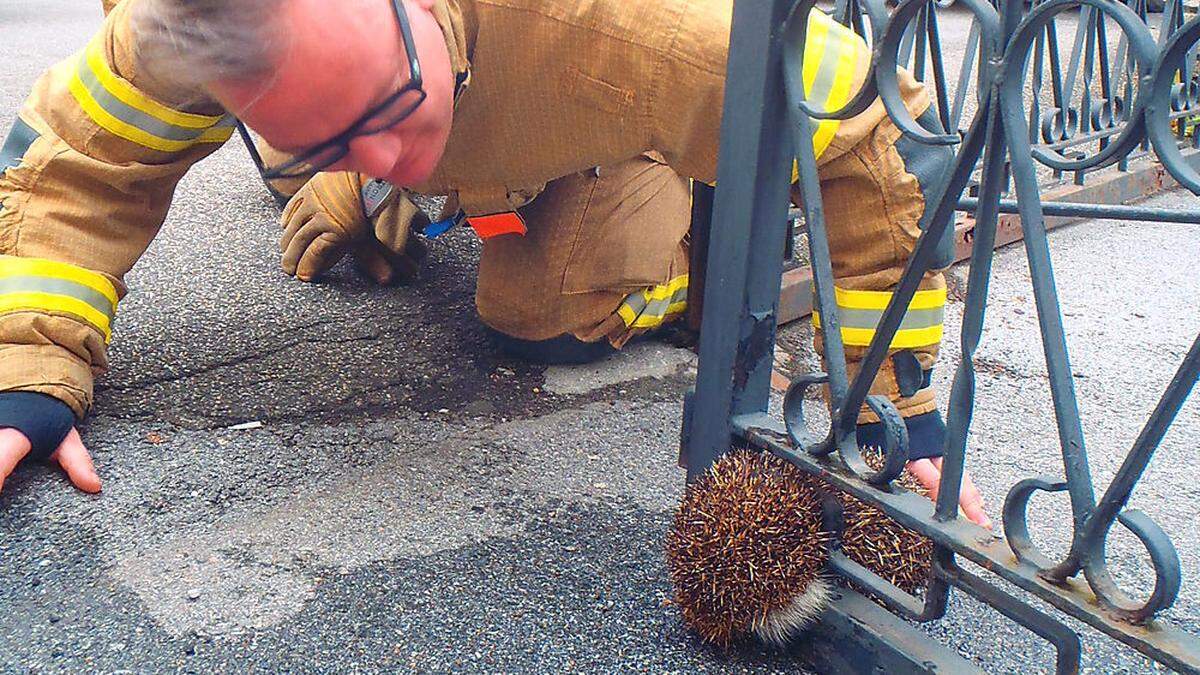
(332, 215)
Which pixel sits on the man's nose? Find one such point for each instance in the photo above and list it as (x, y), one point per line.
(374, 155)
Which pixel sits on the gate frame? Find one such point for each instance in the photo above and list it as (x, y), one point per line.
(766, 124)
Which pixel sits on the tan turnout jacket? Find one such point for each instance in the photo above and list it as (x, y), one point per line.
(556, 87)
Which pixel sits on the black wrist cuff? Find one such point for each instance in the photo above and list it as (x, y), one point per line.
(43, 419)
(926, 435)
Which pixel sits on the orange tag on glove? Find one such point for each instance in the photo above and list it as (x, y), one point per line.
(497, 224)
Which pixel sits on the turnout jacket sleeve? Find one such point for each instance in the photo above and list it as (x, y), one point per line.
(86, 177)
(689, 86)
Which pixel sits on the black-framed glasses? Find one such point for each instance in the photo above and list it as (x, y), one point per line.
(392, 111)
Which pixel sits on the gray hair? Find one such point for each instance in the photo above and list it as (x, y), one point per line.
(191, 42)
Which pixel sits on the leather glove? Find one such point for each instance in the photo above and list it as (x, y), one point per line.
(327, 218)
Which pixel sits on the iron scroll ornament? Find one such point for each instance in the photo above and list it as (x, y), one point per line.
(1161, 102)
(1091, 521)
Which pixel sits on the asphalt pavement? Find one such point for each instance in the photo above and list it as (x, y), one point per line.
(339, 477)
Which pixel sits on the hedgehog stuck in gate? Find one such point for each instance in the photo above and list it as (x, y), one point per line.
(747, 550)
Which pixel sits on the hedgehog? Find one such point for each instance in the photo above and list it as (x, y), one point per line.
(747, 551)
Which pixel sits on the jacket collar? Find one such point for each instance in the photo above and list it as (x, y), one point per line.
(459, 27)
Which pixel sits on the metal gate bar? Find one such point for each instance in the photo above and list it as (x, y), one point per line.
(765, 122)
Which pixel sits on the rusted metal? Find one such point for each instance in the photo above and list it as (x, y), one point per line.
(1116, 187)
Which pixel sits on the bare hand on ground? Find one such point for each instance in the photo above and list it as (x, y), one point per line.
(71, 456)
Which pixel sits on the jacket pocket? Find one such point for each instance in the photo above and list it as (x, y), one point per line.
(607, 97)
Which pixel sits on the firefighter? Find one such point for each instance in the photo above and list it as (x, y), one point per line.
(570, 163)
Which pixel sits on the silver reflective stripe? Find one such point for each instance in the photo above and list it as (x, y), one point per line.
(822, 85)
(869, 318)
(637, 303)
(33, 284)
(134, 117)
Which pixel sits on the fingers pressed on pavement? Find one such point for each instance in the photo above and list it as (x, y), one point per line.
(74, 458)
(373, 263)
(322, 254)
(298, 246)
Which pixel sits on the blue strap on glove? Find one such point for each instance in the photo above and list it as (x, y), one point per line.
(43, 419)
(926, 435)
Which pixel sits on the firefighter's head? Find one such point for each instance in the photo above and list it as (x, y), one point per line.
(330, 82)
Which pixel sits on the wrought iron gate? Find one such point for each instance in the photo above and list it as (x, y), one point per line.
(1137, 99)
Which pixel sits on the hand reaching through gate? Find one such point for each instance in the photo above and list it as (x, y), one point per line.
(929, 473)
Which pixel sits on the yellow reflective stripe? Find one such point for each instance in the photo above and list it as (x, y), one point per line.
(48, 302)
(125, 92)
(904, 339)
(216, 135)
(840, 93)
(648, 320)
(814, 47)
(122, 129)
(38, 285)
(13, 266)
(815, 55)
(117, 107)
(831, 55)
(861, 311)
(932, 298)
(651, 307)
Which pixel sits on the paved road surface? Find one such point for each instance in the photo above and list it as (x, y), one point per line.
(413, 502)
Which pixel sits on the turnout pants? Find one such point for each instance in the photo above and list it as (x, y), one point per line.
(606, 257)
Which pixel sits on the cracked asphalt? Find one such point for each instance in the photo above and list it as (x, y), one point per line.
(407, 500)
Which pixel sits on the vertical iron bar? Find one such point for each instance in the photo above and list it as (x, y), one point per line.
(824, 301)
(752, 177)
(702, 203)
(1085, 20)
(964, 79)
(921, 35)
(1106, 88)
(1054, 344)
(962, 391)
(1089, 58)
(1035, 87)
(941, 86)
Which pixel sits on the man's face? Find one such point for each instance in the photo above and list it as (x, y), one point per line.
(341, 59)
